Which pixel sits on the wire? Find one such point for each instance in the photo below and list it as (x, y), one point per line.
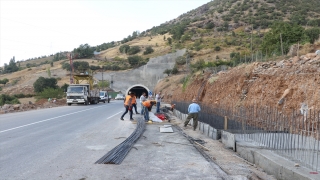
(40, 27)
(24, 42)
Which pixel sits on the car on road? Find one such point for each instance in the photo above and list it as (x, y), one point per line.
(104, 97)
(119, 97)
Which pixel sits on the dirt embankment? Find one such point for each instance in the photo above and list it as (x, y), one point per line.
(285, 84)
(42, 103)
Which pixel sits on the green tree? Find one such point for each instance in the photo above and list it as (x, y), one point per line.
(313, 34)
(66, 66)
(169, 41)
(12, 67)
(103, 84)
(41, 83)
(167, 71)
(174, 70)
(124, 48)
(134, 60)
(84, 51)
(64, 87)
(290, 33)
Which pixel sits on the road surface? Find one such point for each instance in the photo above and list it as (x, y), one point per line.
(64, 143)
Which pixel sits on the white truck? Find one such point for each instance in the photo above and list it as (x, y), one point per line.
(82, 93)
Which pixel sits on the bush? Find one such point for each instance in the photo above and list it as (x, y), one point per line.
(50, 93)
(217, 48)
(180, 60)
(148, 50)
(133, 50)
(64, 87)
(23, 95)
(134, 60)
(6, 99)
(42, 83)
(124, 48)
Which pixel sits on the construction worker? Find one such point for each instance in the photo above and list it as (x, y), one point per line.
(134, 103)
(147, 106)
(158, 99)
(142, 99)
(193, 112)
(128, 105)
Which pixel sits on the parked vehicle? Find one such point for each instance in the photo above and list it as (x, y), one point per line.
(82, 93)
(104, 97)
(120, 97)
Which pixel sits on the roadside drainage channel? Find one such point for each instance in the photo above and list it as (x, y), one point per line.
(270, 162)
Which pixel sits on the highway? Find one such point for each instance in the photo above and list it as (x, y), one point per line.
(64, 143)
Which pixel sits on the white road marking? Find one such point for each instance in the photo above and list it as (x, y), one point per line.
(114, 115)
(52, 119)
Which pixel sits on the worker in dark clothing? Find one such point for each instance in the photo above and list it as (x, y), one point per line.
(134, 103)
(128, 105)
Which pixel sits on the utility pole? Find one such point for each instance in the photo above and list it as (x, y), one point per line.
(111, 83)
(281, 44)
(102, 78)
(71, 68)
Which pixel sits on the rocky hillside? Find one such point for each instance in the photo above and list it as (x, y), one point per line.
(286, 84)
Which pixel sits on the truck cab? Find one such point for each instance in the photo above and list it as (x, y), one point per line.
(77, 94)
(104, 97)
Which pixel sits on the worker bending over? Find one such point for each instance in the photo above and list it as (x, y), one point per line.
(147, 106)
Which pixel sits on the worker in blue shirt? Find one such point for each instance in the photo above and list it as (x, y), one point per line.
(193, 112)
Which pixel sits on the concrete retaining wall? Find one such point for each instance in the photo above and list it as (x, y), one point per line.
(147, 75)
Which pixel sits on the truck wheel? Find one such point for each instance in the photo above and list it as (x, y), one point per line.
(104, 101)
(85, 102)
(69, 104)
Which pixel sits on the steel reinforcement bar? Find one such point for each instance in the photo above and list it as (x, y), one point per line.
(117, 154)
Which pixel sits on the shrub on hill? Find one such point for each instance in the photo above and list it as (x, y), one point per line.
(290, 34)
(50, 93)
(148, 50)
(6, 99)
(133, 50)
(4, 81)
(42, 83)
(124, 48)
(134, 60)
(11, 67)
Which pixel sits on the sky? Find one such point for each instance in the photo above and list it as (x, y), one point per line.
(31, 29)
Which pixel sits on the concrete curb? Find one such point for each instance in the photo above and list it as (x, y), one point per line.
(272, 163)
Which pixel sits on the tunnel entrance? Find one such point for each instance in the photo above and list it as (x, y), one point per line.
(138, 89)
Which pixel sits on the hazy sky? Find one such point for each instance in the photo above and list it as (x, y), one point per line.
(41, 27)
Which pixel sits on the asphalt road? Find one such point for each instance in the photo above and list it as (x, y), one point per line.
(64, 143)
